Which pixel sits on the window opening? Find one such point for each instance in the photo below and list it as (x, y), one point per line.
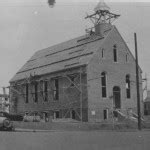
(103, 82)
(115, 53)
(56, 89)
(128, 90)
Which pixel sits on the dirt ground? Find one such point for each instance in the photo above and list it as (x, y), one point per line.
(75, 140)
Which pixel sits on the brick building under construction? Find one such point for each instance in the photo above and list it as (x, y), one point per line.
(84, 78)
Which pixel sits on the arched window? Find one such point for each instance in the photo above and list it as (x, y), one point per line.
(115, 53)
(128, 90)
(103, 83)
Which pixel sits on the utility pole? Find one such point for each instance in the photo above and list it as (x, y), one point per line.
(81, 98)
(137, 84)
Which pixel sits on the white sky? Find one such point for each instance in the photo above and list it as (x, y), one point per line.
(61, 1)
(30, 25)
(108, 0)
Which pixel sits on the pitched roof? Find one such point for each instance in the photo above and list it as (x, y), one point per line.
(73, 53)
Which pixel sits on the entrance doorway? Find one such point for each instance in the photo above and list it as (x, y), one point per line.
(117, 97)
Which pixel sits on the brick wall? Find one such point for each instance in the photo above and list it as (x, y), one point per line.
(116, 72)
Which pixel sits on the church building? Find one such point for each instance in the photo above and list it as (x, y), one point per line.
(85, 78)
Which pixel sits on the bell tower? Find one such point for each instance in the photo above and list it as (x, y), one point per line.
(101, 18)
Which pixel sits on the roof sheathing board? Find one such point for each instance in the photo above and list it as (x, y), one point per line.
(56, 48)
(79, 53)
(61, 56)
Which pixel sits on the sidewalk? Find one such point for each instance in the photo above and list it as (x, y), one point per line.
(36, 130)
(31, 130)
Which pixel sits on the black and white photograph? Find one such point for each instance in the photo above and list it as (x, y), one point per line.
(75, 75)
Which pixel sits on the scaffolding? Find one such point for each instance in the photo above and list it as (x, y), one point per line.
(101, 15)
(74, 81)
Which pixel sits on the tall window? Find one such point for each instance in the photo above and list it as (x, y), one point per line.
(128, 90)
(115, 53)
(27, 93)
(105, 111)
(103, 53)
(56, 89)
(36, 92)
(103, 83)
(45, 91)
